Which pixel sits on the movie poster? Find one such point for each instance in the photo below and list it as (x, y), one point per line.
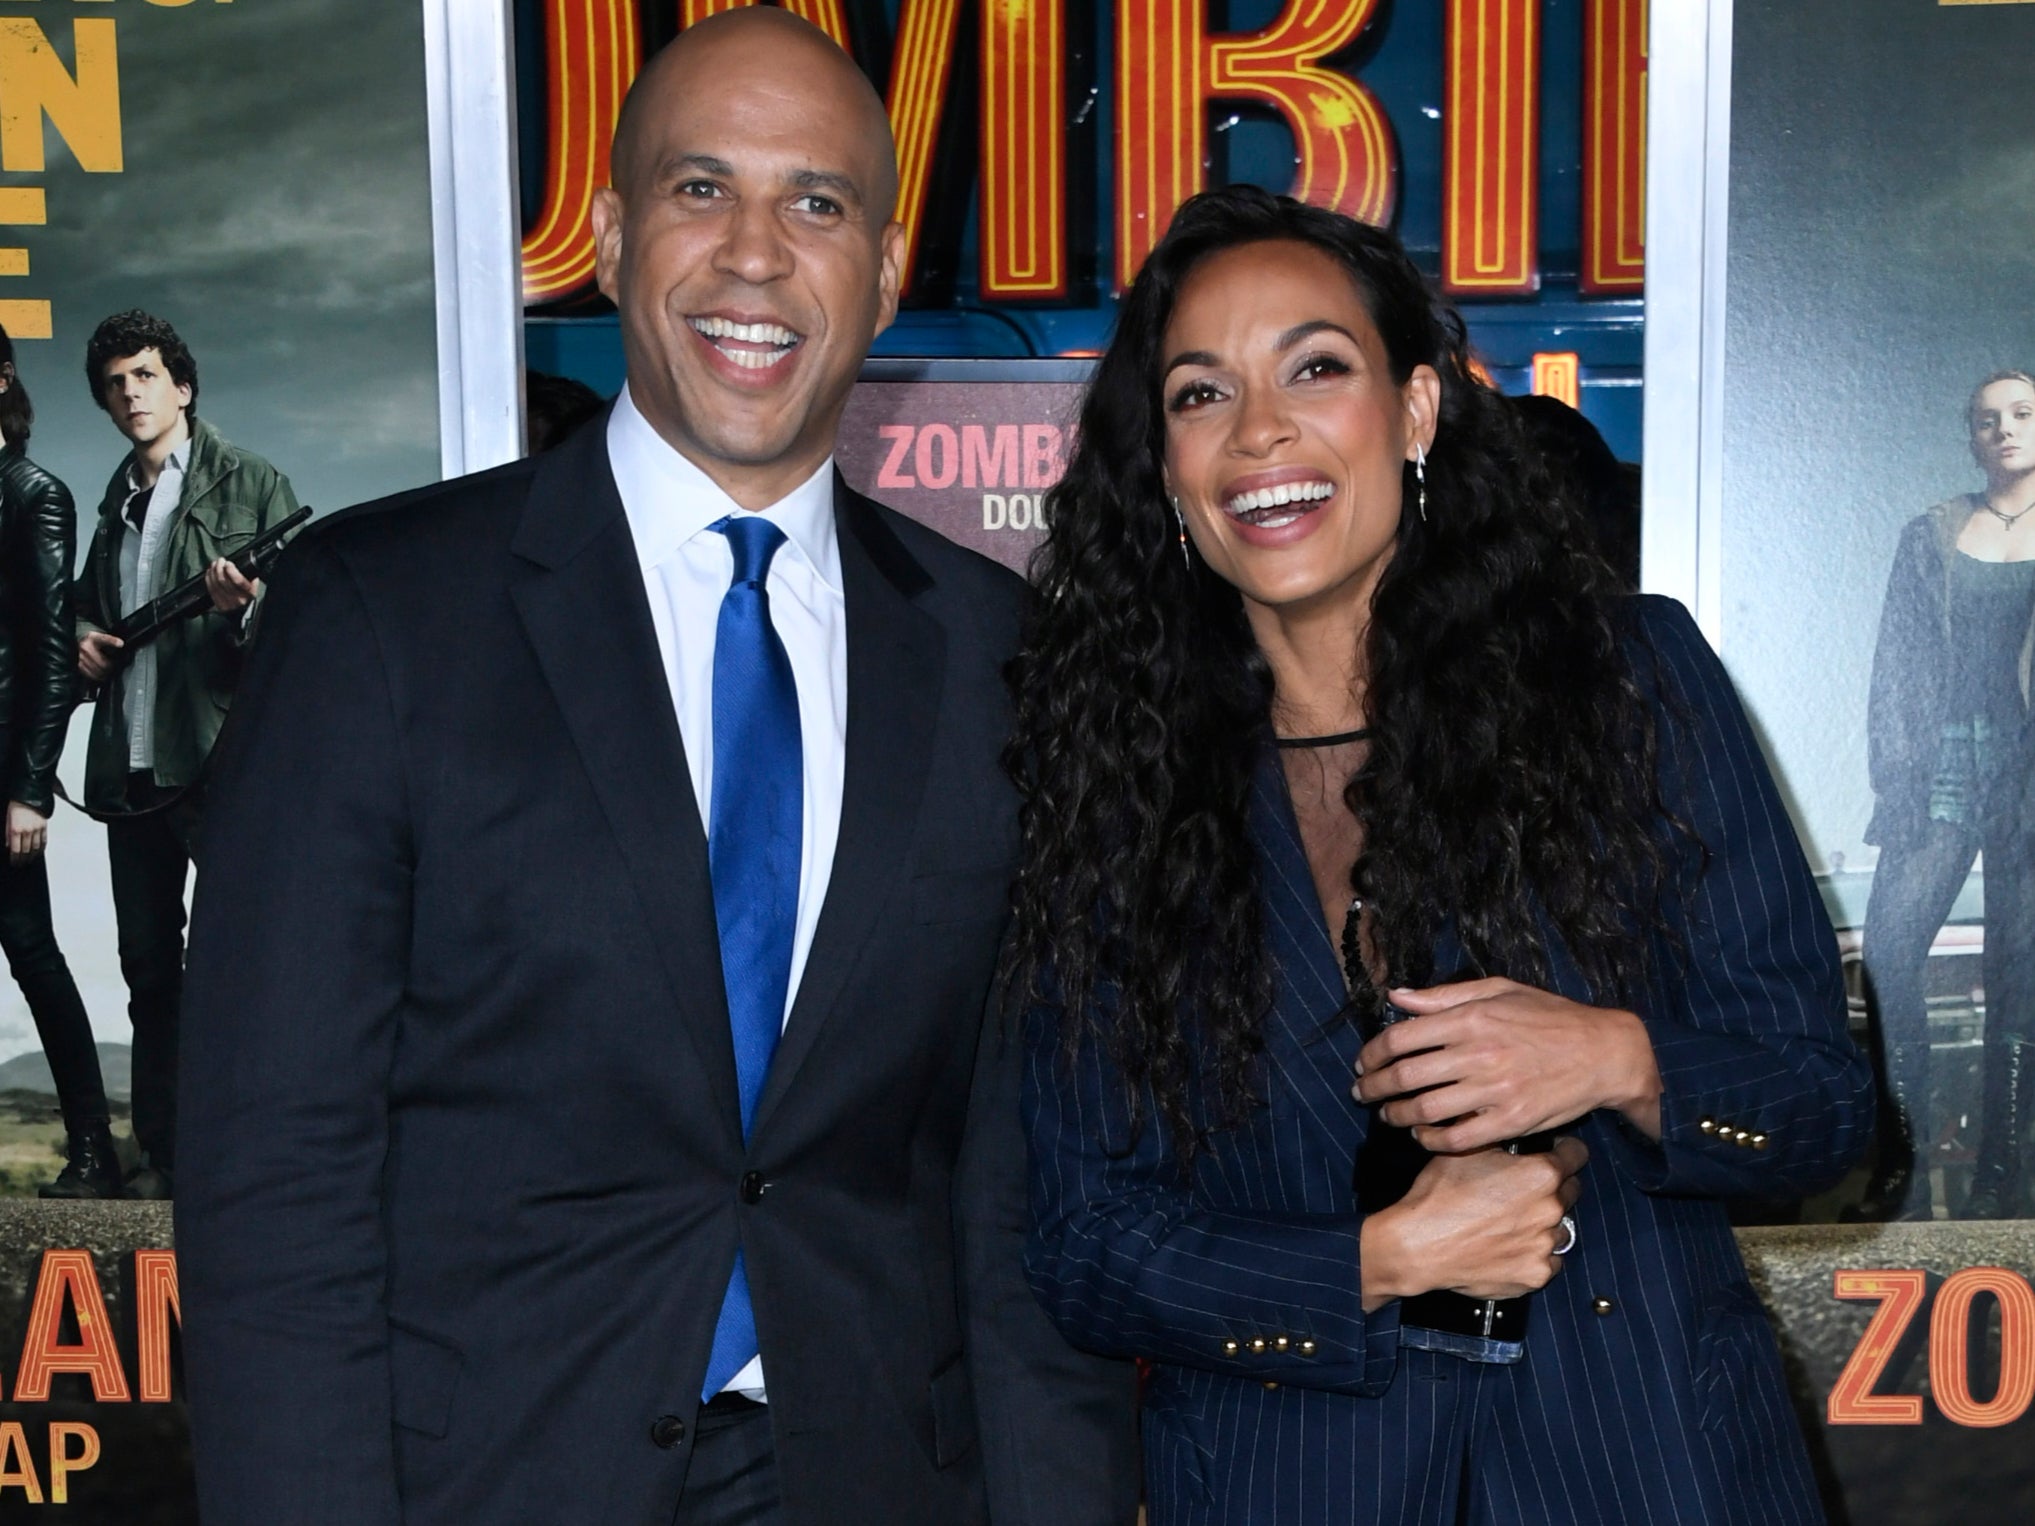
(967, 447)
(1875, 586)
(255, 173)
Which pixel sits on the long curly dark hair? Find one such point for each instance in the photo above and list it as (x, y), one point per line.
(1510, 774)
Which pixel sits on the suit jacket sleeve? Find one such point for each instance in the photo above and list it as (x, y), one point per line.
(298, 954)
(1748, 1023)
(1129, 1262)
(1058, 1426)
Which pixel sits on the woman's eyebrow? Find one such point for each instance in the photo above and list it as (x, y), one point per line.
(1313, 326)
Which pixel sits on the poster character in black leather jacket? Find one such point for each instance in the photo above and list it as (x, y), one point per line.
(38, 529)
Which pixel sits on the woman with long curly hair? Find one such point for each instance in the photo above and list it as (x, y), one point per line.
(1341, 763)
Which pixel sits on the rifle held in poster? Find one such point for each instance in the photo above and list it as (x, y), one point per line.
(141, 626)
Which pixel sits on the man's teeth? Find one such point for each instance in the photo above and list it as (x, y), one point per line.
(1278, 497)
(746, 333)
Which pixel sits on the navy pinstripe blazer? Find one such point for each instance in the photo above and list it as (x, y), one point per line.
(1651, 1390)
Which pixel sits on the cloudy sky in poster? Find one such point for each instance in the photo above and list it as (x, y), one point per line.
(275, 207)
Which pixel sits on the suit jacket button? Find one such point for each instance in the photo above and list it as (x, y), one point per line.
(667, 1431)
(1602, 1305)
(752, 1186)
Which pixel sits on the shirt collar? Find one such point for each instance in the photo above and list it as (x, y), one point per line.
(179, 461)
(669, 500)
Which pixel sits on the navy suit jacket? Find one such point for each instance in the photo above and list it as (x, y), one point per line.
(1651, 1389)
(462, 1172)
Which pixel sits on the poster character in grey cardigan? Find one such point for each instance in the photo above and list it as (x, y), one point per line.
(1948, 744)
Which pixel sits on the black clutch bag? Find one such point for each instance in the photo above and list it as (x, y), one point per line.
(1476, 1329)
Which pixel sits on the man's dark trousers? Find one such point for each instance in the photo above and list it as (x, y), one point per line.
(149, 851)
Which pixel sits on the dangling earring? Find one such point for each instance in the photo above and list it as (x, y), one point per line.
(1181, 519)
(1420, 476)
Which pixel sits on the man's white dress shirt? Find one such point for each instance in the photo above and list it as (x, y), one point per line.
(686, 571)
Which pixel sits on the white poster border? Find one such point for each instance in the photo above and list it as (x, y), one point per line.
(476, 231)
(1688, 171)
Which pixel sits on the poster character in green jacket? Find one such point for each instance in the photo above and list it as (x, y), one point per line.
(182, 501)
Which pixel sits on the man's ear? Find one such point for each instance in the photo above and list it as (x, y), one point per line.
(890, 275)
(607, 210)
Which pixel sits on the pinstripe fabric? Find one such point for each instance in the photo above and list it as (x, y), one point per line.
(1668, 1409)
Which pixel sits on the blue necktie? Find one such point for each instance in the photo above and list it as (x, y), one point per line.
(753, 850)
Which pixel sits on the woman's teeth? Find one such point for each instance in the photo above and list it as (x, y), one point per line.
(1270, 507)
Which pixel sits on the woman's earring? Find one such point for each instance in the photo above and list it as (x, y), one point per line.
(1181, 519)
(1420, 476)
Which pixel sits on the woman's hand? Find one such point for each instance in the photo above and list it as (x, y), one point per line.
(1484, 1061)
(1486, 1224)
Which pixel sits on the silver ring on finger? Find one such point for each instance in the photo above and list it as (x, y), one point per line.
(1569, 1224)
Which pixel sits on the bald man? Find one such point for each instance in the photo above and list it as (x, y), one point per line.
(589, 1111)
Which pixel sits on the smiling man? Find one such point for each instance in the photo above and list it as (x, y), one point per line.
(590, 1113)
(180, 503)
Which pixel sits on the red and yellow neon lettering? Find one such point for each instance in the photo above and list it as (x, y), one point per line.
(1168, 68)
(1614, 147)
(1491, 148)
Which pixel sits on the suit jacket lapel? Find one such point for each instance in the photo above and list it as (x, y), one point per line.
(896, 658)
(1298, 939)
(1303, 1037)
(583, 605)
